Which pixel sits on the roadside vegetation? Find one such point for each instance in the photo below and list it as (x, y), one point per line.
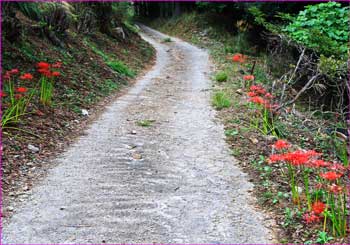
(61, 63)
(281, 89)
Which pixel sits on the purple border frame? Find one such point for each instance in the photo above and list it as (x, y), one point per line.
(216, 1)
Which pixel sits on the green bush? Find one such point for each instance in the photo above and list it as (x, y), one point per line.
(220, 100)
(221, 76)
(323, 27)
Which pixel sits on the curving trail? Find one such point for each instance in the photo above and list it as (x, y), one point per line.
(172, 182)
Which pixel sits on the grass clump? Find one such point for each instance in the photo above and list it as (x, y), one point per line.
(221, 76)
(120, 67)
(221, 100)
(167, 40)
(115, 65)
(145, 123)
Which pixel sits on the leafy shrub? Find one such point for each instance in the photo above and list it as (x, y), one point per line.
(221, 100)
(323, 27)
(221, 76)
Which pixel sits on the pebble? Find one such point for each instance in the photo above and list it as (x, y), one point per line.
(254, 140)
(33, 148)
(137, 156)
(84, 112)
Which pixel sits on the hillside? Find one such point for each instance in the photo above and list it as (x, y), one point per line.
(95, 68)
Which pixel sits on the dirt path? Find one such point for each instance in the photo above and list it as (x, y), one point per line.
(172, 182)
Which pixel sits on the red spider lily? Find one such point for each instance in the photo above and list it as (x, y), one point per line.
(276, 158)
(270, 106)
(319, 163)
(337, 167)
(26, 76)
(14, 71)
(257, 89)
(43, 65)
(2, 94)
(45, 72)
(21, 90)
(268, 96)
(257, 100)
(57, 65)
(311, 218)
(312, 153)
(281, 144)
(7, 75)
(251, 94)
(296, 158)
(248, 78)
(331, 176)
(18, 96)
(55, 74)
(336, 189)
(318, 207)
(238, 58)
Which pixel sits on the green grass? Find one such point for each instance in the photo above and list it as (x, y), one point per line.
(115, 65)
(167, 40)
(28, 51)
(221, 76)
(121, 68)
(145, 123)
(131, 27)
(220, 100)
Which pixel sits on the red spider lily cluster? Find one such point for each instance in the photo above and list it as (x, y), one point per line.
(48, 74)
(10, 75)
(240, 58)
(17, 97)
(258, 95)
(327, 176)
(307, 158)
(318, 185)
(45, 69)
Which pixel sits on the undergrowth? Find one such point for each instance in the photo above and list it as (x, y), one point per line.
(116, 65)
(221, 100)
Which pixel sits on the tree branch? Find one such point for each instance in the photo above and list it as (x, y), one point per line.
(299, 93)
